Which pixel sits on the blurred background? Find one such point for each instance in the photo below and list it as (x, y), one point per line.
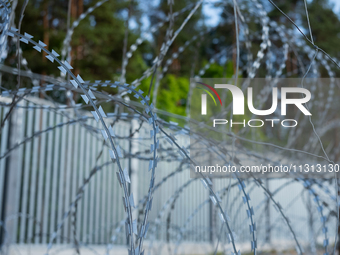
(62, 191)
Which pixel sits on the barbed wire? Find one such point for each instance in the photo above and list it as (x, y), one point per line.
(163, 142)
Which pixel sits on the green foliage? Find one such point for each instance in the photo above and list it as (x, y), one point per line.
(325, 26)
(183, 65)
(172, 94)
(219, 71)
(96, 43)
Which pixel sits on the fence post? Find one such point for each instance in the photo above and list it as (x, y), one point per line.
(212, 213)
(133, 166)
(267, 210)
(134, 163)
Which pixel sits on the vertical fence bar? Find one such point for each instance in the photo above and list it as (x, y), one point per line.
(114, 196)
(81, 178)
(25, 193)
(93, 186)
(61, 193)
(267, 210)
(3, 148)
(88, 188)
(97, 193)
(13, 173)
(105, 222)
(41, 173)
(48, 184)
(110, 198)
(67, 179)
(21, 124)
(75, 172)
(2, 168)
(56, 170)
(134, 163)
(101, 197)
(32, 200)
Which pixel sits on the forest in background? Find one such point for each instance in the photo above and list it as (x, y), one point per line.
(97, 43)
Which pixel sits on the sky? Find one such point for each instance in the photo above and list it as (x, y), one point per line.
(337, 5)
(213, 19)
(212, 14)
